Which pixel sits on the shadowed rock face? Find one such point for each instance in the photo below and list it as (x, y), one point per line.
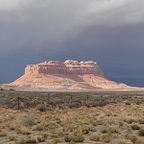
(68, 75)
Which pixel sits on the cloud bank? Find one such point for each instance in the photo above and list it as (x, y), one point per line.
(34, 30)
(35, 22)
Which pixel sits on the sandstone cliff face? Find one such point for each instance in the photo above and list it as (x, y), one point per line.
(68, 75)
(66, 68)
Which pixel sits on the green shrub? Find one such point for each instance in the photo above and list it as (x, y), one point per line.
(11, 89)
(12, 138)
(22, 141)
(135, 127)
(106, 138)
(31, 141)
(56, 140)
(27, 121)
(54, 135)
(1, 89)
(26, 141)
(141, 121)
(133, 138)
(45, 135)
(78, 138)
(85, 130)
(94, 137)
(22, 130)
(41, 139)
(121, 124)
(104, 131)
(141, 132)
(112, 130)
(130, 121)
(41, 107)
(68, 138)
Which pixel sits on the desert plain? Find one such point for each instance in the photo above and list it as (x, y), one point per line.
(101, 117)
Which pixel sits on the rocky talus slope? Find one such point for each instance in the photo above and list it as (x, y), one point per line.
(68, 75)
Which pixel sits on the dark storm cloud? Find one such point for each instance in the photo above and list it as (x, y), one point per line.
(34, 22)
(107, 31)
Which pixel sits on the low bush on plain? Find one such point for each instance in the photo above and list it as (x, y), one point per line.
(141, 132)
(41, 107)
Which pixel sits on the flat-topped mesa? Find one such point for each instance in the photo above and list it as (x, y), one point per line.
(68, 67)
(68, 75)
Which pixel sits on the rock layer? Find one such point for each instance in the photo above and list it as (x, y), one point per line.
(68, 75)
(66, 68)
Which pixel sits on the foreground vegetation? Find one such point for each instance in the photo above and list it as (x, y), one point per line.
(51, 118)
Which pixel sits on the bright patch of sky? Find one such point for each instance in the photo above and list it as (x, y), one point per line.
(6, 5)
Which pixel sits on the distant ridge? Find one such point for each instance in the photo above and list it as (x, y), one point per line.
(68, 75)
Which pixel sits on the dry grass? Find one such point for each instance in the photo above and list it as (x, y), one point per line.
(115, 123)
(74, 125)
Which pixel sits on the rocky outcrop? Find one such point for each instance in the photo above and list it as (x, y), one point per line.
(68, 75)
(66, 68)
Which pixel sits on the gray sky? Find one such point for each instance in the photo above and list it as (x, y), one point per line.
(110, 32)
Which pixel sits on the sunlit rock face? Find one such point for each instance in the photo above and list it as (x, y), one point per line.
(46, 68)
(68, 75)
(68, 67)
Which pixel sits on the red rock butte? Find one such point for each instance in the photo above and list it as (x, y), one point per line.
(68, 75)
